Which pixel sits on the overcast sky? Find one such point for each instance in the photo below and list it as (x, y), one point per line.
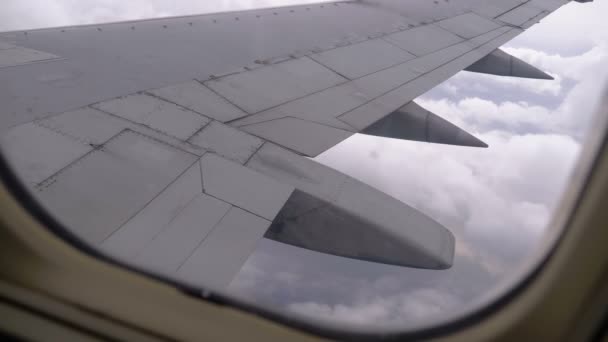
(497, 201)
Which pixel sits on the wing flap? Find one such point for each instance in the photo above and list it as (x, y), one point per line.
(423, 40)
(360, 59)
(202, 227)
(171, 248)
(262, 88)
(520, 15)
(225, 249)
(306, 137)
(243, 187)
(468, 25)
(198, 98)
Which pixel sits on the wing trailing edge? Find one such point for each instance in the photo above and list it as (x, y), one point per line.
(501, 63)
(412, 122)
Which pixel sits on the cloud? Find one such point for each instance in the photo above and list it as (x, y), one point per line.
(571, 30)
(382, 310)
(484, 195)
(497, 201)
(486, 110)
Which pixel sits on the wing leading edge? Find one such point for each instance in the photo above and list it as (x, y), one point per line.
(178, 143)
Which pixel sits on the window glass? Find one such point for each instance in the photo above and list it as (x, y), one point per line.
(200, 148)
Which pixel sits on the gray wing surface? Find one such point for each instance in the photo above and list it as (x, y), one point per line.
(178, 143)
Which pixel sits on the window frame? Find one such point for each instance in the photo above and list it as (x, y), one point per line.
(38, 235)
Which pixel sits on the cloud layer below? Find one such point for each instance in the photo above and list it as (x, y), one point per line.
(498, 201)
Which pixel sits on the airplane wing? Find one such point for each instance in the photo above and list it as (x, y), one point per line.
(177, 144)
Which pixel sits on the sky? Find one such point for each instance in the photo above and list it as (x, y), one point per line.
(497, 201)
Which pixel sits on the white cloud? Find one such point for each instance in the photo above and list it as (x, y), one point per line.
(502, 196)
(573, 67)
(571, 30)
(483, 112)
(383, 310)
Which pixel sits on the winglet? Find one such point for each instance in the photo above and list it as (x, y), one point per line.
(412, 122)
(503, 64)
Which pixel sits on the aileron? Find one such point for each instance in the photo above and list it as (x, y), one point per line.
(198, 98)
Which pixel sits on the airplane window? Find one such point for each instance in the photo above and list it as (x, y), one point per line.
(384, 164)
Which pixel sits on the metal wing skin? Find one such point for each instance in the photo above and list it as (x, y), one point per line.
(178, 143)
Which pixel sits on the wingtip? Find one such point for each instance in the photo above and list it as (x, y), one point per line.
(482, 144)
(462, 139)
(525, 70)
(548, 77)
